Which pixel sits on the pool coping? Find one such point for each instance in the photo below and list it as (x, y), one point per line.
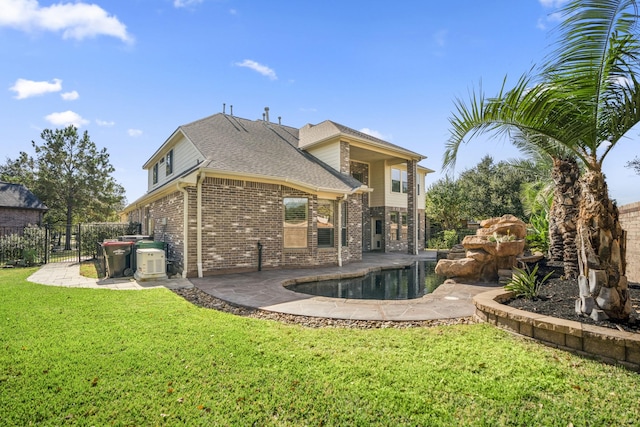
(608, 345)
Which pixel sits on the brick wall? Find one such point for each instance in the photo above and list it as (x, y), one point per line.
(19, 217)
(236, 215)
(363, 170)
(630, 221)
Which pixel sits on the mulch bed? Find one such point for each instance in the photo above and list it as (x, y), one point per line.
(557, 299)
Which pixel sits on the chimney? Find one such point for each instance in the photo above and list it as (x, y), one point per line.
(266, 112)
(224, 107)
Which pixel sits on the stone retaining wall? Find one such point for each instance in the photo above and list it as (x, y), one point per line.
(630, 221)
(609, 345)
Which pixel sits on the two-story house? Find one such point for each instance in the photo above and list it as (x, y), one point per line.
(231, 194)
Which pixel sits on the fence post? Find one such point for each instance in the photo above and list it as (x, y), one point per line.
(46, 243)
(79, 244)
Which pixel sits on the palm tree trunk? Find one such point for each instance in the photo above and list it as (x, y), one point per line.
(564, 214)
(601, 252)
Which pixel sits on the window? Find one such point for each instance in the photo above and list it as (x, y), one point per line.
(403, 226)
(155, 173)
(399, 181)
(169, 169)
(295, 222)
(395, 180)
(345, 241)
(359, 176)
(395, 220)
(405, 182)
(326, 219)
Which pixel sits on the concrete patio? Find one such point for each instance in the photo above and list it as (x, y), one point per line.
(264, 290)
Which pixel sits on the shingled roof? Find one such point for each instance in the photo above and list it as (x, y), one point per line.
(17, 196)
(261, 148)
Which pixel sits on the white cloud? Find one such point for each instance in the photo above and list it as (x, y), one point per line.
(75, 20)
(66, 118)
(255, 66)
(70, 96)
(134, 132)
(553, 3)
(440, 38)
(28, 88)
(104, 123)
(185, 3)
(375, 134)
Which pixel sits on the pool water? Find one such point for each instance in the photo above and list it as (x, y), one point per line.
(410, 282)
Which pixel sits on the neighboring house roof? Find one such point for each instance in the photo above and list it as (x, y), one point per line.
(260, 148)
(17, 196)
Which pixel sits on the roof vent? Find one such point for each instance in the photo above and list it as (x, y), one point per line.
(224, 107)
(266, 112)
(231, 107)
(279, 120)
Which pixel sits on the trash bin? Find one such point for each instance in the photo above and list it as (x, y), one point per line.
(118, 257)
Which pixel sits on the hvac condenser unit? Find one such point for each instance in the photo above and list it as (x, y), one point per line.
(150, 264)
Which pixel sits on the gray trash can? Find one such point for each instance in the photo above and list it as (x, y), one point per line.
(118, 257)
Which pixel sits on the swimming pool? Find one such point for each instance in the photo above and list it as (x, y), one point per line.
(409, 282)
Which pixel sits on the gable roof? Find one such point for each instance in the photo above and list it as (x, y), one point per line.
(17, 196)
(260, 148)
(314, 134)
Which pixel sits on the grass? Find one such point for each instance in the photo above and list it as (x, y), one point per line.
(89, 269)
(100, 357)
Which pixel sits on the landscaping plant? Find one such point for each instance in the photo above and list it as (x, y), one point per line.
(525, 282)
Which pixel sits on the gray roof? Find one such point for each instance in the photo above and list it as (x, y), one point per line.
(19, 197)
(348, 131)
(256, 147)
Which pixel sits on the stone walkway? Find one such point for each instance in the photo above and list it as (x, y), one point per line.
(67, 274)
(264, 290)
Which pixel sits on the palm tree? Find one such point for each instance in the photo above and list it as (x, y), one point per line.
(583, 101)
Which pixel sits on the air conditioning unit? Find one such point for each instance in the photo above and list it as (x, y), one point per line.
(150, 264)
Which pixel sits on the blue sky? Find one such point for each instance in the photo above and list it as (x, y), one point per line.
(131, 71)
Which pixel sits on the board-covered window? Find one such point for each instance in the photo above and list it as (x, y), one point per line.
(295, 222)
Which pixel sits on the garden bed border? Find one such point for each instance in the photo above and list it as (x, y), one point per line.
(605, 344)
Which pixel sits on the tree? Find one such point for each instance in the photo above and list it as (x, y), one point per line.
(634, 164)
(71, 176)
(493, 189)
(585, 100)
(444, 203)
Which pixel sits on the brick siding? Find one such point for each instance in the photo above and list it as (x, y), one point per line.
(10, 217)
(238, 214)
(630, 221)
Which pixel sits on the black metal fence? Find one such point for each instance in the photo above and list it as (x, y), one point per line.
(32, 245)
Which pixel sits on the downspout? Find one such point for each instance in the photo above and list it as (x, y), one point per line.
(199, 224)
(340, 202)
(185, 225)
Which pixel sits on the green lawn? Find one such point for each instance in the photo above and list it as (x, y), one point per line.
(100, 357)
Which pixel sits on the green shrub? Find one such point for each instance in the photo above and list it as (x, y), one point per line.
(525, 282)
(538, 233)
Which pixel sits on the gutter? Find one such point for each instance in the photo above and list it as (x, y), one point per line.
(185, 225)
(199, 180)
